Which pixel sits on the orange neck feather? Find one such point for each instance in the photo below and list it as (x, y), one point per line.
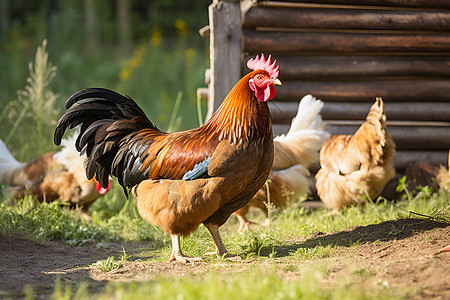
(242, 116)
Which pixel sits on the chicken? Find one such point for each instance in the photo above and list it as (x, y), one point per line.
(354, 167)
(293, 154)
(56, 175)
(187, 178)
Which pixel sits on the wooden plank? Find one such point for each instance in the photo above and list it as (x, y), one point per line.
(437, 4)
(225, 50)
(410, 138)
(338, 18)
(283, 112)
(406, 138)
(312, 67)
(285, 43)
(403, 158)
(366, 91)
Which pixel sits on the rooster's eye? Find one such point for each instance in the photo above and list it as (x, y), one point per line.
(260, 77)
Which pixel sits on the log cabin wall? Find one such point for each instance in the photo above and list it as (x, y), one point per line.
(347, 52)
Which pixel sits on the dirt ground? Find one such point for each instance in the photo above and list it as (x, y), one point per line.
(399, 254)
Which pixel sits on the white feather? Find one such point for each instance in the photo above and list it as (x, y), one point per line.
(307, 134)
(8, 164)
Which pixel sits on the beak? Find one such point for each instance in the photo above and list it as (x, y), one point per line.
(276, 82)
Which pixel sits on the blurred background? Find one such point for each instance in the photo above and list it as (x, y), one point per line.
(149, 50)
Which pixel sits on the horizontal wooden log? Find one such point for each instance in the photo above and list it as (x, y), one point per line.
(340, 18)
(279, 43)
(338, 67)
(366, 91)
(283, 112)
(405, 137)
(403, 158)
(439, 4)
(410, 138)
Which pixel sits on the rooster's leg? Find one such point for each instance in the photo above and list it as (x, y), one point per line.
(221, 250)
(177, 255)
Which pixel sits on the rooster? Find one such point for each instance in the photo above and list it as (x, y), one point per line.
(56, 175)
(187, 178)
(293, 154)
(356, 166)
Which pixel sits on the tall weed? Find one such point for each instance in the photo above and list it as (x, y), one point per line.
(32, 116)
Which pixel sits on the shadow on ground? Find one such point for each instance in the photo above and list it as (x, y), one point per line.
(385, 231)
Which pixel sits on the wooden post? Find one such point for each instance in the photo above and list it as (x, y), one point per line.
(124, 25)
(90, 26)
(225, 50)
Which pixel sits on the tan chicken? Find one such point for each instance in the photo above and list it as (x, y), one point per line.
(356, 167)
(56, 175)
(293, 154)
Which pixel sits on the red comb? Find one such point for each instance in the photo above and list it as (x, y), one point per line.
(257, 63)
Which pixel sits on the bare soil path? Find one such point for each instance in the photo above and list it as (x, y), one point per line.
(401, 254)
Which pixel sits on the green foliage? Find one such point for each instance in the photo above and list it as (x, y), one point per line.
(48, 221)
(259, 243)
(110, 263)
(165, 57)
(34, 112)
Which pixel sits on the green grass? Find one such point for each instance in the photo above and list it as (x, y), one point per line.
(53, 221)
(255, 283)
(110, 264)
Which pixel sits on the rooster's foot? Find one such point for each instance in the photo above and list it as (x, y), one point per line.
(180, 257)
(177, 255)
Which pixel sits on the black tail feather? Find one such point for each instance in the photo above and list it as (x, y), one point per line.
(107, 120)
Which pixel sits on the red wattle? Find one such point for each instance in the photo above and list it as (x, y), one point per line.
(101, 190)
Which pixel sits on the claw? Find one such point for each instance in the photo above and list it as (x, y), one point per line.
(177, 255)
(180, 257)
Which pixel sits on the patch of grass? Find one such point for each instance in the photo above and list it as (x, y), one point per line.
(48, 221)
(314, 252)
(110, 264)
(55, 221)
(363, 272)
(253, 284)
(259, 243)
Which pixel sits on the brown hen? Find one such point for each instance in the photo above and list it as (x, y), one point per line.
(55, 175)
(356, 167)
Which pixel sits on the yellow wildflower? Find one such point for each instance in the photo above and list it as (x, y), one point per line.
(156, 37)
(182, 27)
